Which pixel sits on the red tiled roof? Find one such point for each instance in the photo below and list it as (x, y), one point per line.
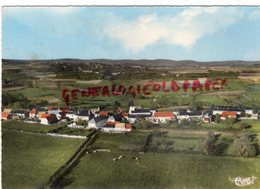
(112, 122)
(128, 126)
(104, 113)
(164, 114)
(125, 114)
(64, 109)
(33, 111)
(228, 114)
(51, 108)
(45, 115)
(5, 115)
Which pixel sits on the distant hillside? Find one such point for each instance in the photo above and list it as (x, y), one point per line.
(157, 62)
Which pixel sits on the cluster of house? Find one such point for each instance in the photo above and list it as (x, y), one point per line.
(122, 121)
(224, 113)
(107, 122)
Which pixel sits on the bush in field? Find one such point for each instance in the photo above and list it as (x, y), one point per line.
(245, 145)
(144, 124)
(245, 126)
(217, 118)
(214, 144)
(230, 121)
(184, 122)
(169, 123)
(82, 122)
(208, 145)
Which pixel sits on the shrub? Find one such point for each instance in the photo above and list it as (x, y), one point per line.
(245, 145)
(214, 144)
(208, 145)
(245, 126)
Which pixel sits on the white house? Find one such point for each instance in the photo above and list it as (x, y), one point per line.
(20, 113)
(115, 127)
(33, 113)
(162, 117)
(55, 112)
(97, 122)
(220, 109)
(249, 111)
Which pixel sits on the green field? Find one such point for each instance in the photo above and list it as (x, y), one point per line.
(29, 127)
(29, 160)
(236, 87)
(184, 167)
(155, 170)
(133, 141)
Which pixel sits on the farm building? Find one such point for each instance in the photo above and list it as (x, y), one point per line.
(97, 122)
(5, 115)
(33, 113)
(20, 113)
(220, 109)
(47, 119)
(162, 117)
(226, 115)
(116, 127)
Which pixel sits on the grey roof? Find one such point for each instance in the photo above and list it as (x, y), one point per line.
(19, 111)
(118, 117)
(227, 108)
(139, 115)
(100, 118)
(141, 111)
(83, 112)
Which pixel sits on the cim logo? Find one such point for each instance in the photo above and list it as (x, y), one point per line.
(239, 181)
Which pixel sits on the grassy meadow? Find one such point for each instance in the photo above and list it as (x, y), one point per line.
(29, 160)
(158, 170)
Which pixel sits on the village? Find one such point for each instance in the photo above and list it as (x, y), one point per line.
(122, 121)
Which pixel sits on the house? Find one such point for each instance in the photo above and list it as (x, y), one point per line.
(21, 113)
(63, 109)
(7, 110)
(97, 122)
(33, 113)
(162, 117)
(132, 118)
(220, 109)
(132, 108)
(51, 108)
(40, 113)
(249, 111)
(141, 113)
(103, 113)
(189, 115)
(117, 117)
(72, 116)
(117, 127)
(183, 115)
(195, 115)
(226, 115)
(206, 118)
(81, 114)
(84, 114)
(43, 119)
(125, 115)
(5, 115)
(47, 119)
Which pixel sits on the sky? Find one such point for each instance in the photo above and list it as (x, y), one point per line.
(177, 33)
